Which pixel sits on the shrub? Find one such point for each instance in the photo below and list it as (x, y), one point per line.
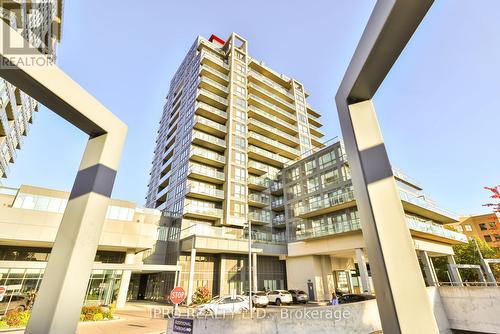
(3, 324)
(16, 319)
(88, 312)
(98, 317)
(202, 295)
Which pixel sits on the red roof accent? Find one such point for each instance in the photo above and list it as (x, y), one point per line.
(216, 39)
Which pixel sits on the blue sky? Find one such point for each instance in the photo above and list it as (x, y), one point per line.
(438, 108)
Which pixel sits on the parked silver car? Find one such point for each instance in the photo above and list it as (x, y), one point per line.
(299, 296)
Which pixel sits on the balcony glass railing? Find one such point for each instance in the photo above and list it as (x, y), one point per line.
(199, 189)
(273, 130)
(203, 170)
(203, 105)
(210, 123)
(208, 154)
(215, 72)
(259, 181)
(230, 233)
(267, 154)
(435, 229)
(260, 216)
(277, 203)
(208, 138)
(214, 83)
(215, 58)
(271, 83)
(274, 96)
(274, 143)
(213, 96)
(279, 75)
(327, 228)
(276, 186)
(278, 220)
(272, 106)
(325, 203)
(204, 211)
(271, 171)
(272, 118)
(259, 199)
(405, 196)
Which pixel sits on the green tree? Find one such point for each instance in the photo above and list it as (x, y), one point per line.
(468, 254)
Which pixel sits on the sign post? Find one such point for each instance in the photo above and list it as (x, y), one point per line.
(177, 296)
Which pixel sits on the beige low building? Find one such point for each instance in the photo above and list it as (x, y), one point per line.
(29, 220)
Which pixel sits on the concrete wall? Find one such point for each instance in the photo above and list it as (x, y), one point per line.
(472, 308)
(314, 268)
(359, 318)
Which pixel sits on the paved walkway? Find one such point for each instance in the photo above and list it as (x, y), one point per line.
(135, 318)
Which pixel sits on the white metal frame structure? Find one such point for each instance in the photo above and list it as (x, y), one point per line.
(402, 299)
(62, 291)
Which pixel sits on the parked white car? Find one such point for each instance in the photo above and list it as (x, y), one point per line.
(279, 297)
(259, 298)
(224, 305)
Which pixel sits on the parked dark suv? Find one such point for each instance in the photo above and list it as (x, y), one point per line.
(354, 298)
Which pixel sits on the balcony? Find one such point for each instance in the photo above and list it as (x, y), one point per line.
(214, 60)
(272, 132)
(207, 157)
(210, 112)
(277, 187)
(259, 66)
(266, 156)
(257, 183)
(214, 74)
(278, 204)
(204, 173)
(208, 141)
(314, 129)
(424, 208)
(326, 205)
(260, 217)
(313, 121)
(271, 108)
(272, 145)
(193, 211)
(4, 123)
(316, 141)
(213, 86)
(270, 97)
(209, 126)
(438, 232)
(204, 192)
(279, 220)
(211, 99)
(257, 168)
(312, 112)
(325, 229)
(257, 200)
(267, 118)
(271, 84)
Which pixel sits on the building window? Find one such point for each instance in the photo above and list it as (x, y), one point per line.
(492, 224)
(239, 174)
(312, 185)
(497, 237)
(327, 160)
(329, 178)
(459, 228)
(487, 237)
(310, 166)
(483, 227)
(294, 174)
(468, 228)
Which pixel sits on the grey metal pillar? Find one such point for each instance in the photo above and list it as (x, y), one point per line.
(456, 279)
(363, 271)
(393, 262)
(430, 274)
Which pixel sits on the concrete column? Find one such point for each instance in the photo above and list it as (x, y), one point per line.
(453, 271)
(363, 271)
(125, 280)
(222, 276)
(254, 272)
(430, 274)
(190, 291)
(489, 274)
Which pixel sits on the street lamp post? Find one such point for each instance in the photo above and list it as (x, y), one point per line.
(250, 268)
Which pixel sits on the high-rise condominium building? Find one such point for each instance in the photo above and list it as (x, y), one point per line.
(39, 22)
(238, 144)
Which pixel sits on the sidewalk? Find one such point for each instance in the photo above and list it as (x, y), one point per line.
(134, 318)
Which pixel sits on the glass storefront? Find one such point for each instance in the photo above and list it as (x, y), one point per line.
(22, 284)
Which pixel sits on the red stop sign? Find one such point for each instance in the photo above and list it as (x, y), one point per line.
(177, 295)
